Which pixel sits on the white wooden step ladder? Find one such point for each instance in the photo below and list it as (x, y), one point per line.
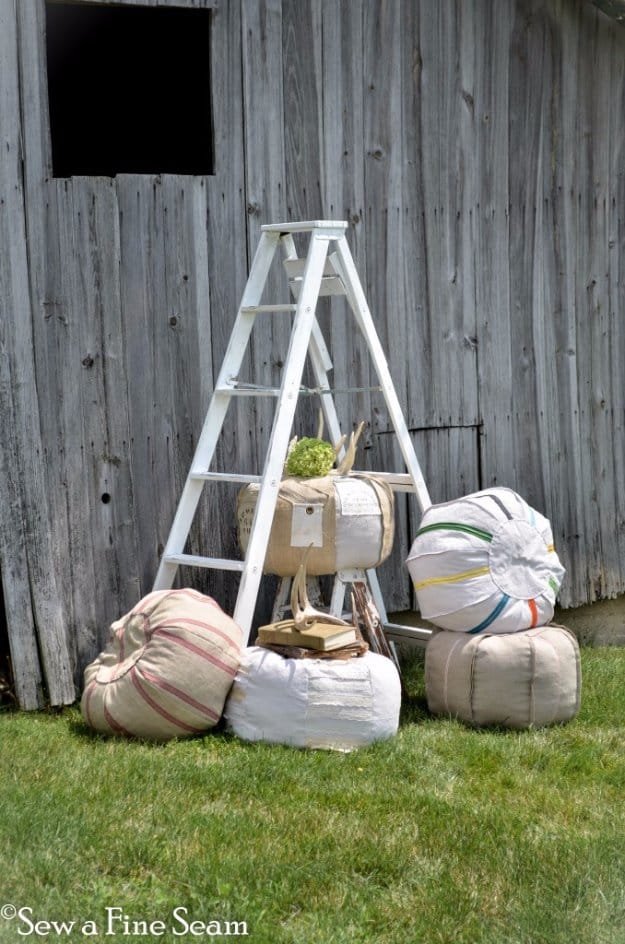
(327, 269)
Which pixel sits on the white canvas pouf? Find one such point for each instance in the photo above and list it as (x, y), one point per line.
(518, 680)
(485, 562)
(167, 669)
(316, 703)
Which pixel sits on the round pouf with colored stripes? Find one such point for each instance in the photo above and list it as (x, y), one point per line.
(167, 670)
(485, 562)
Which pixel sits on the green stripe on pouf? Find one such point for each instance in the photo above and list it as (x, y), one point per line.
(455, 526)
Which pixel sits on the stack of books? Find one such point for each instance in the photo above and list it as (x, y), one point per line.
(320, 636)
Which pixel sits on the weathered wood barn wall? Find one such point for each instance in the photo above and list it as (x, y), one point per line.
(476, 148)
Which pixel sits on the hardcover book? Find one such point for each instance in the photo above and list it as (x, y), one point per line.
(320, 636)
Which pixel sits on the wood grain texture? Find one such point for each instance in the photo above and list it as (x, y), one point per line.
(476, 150)
(228, 266)
(36, 620)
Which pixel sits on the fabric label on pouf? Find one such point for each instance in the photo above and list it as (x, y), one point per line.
(167, 669)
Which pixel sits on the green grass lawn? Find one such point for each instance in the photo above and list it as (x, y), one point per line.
(444, 834)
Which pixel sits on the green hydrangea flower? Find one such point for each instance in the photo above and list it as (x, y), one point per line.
(310, 458)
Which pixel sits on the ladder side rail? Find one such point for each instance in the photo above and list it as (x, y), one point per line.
(321, 361)
(215, 416)
(343, 261)
(328, 405)
(280, 434)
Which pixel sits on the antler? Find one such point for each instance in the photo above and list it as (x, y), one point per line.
(304, 613)
(348, 459)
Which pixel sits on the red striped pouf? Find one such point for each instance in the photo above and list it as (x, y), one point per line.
(167, 670)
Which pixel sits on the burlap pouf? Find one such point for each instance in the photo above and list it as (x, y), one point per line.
(167, 669)
(485, 562)
(337, 705)
(517, 680)
(347, 521)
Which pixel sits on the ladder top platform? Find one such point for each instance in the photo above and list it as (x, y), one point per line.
(305, 227)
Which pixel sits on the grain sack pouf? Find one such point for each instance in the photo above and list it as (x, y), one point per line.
(315, 703)
(485, 562)
(167, 670)
(518, 680)
(347, 521)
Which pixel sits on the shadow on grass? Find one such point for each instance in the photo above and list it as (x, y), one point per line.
(79, 728)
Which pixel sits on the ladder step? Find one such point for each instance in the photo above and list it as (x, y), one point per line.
(249, 390)
(418, 634)
(250, 309)
(243, 389)
(295, 268)
(305, 226)
(330, 285)
(215, 563)
(225, 477)
(398, 481)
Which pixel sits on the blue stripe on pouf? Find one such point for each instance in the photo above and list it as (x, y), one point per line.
(491, 616)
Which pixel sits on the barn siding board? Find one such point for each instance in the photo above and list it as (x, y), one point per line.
(31, 590)
(339, 85)
(617, 289)
(302, 78)
(491, 241)
(227, 261)
(266, 199)
(445, 109)
(166, 328)
(13, 548)
(383, 157)
(476, 150)
(265, 172)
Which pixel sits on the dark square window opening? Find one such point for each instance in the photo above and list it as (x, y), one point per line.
(128, 90)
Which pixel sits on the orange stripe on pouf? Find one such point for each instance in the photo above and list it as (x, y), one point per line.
(534, 612)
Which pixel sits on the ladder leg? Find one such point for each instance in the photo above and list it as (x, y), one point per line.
(218, 407)
(280, 434)
(321, 362)
(344, 263)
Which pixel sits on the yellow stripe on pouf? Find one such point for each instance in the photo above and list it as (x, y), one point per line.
(452, 578)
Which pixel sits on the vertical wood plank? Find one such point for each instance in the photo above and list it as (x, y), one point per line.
(382, 93)
(31, 595)
(440, 107)
(100, 370)
(491, 241)
(228, 264)
(265, 175)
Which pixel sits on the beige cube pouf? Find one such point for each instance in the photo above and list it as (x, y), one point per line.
(518, 680)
